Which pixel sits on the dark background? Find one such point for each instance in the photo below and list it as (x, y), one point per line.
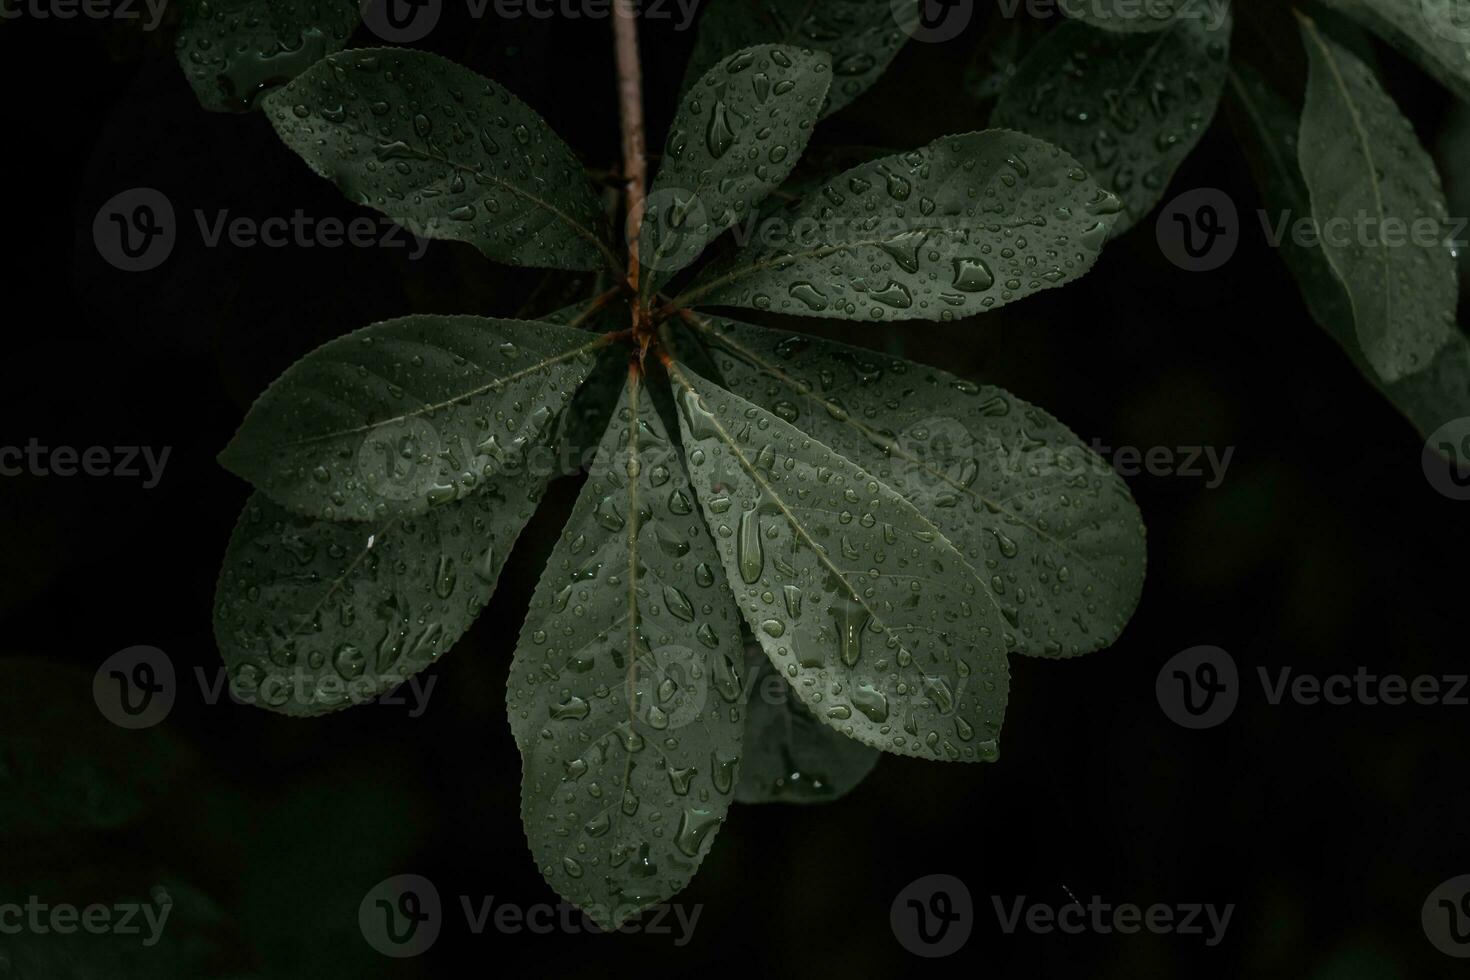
(1325, 549)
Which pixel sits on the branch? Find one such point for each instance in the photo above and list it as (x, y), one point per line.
(630, 103)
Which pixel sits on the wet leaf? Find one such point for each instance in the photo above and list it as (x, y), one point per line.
(1435, 33)
(739, 131)
(410, 413)
(964, 225)
(862, 36)
(312, 616)
(235, 51)
(445, 153)
(1047, 526)
(1131, 107)
(789, 756)
(1268, 125)
(1360, 159)
(625, 692)
(860, 602)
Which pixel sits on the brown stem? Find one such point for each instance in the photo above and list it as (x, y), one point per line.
(630, 104)
(596, 303)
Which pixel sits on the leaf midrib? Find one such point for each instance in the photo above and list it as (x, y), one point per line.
(577, 227)
(599, 341)
(790, 516)
(1361, 136)
(846, 417)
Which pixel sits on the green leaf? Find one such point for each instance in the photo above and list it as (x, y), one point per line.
(738, 133)
(862, 36)
(624, 694)
(1136, 16)
(1435, 33)
(1268, 124)
(235, 51)
(1131, 107)
(445, 153)
(312, 616)
(858, 600)
(966, 224)
(1359, 157)
(409, 413)
(789, 756)
(1048, 527)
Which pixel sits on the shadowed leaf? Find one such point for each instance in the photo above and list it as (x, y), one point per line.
(790, 757)
(408, 414)
(1435, 33)
(1429, 397)
(862, 36)
(966, 224)
(312, 616)
(625, 692)
(445, 153)
(1048, 527)
(1131, 107)
(1360, 158)
(235, 51)
(739, 131)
